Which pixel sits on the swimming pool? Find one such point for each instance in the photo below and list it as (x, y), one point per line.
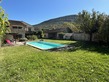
(44, 45)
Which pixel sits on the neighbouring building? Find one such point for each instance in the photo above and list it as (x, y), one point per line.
(68, 36)
(19, 29)
(56, 33)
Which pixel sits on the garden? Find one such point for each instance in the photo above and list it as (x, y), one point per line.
(88, 62)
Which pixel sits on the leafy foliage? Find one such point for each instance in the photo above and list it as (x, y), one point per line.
(104, 29)
(88, 22)
(95, 22)
(3, 22)
(40, 34)
(33, 37)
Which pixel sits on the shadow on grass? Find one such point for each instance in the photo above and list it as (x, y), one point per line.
(90, 46)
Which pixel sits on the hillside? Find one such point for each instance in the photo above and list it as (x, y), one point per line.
(56, 22)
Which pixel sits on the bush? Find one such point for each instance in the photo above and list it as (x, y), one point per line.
(28, 37)
(33, 37)
(23, 39)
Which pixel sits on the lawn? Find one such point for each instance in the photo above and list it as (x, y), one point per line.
(86, 63)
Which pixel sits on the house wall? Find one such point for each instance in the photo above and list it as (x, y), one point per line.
(23, 35)
(20, 29)
(58, 36)
(32, 28)
(17, 30)
(52, 35)
(45, 35)
(68, 36)
(29, 29)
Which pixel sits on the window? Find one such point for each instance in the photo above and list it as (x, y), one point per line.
(29, 29)
(19, 36)
(19, 27)
(14, 27)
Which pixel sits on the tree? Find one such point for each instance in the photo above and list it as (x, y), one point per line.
(40, 34)
(88, 22)
(104, 28)
(100, 24)
(3, 23)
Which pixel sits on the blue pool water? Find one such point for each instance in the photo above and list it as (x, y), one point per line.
(45, 45)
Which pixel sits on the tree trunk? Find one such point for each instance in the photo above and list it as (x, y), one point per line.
(1, 40)
(90, 37)
(107, 39)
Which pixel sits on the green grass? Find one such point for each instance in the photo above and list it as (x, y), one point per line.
(87, 63)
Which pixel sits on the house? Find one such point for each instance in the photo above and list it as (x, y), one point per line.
(18, 29)
(68, 36)
(56, 33)
(29, 29)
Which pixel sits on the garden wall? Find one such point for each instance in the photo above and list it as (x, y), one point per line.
(81, 36)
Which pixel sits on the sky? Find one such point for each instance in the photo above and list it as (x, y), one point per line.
(37, 11)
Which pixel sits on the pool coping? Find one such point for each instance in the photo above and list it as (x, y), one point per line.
(45, 49)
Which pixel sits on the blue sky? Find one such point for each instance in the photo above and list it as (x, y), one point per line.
(36, 11)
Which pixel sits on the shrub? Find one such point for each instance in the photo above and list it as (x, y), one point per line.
(23, 39)
(33, 37)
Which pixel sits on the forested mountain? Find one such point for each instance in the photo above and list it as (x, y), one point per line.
(61, 22)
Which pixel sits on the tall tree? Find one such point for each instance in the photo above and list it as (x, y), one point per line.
(40, 34)
(88, 22)
(104, 29)
(100, 24)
